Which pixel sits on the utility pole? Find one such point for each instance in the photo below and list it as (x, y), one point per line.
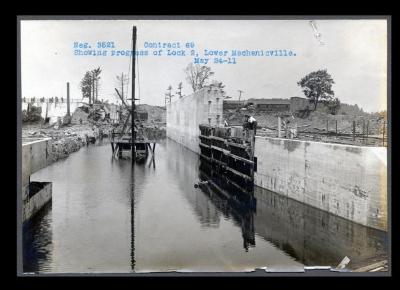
(68, 108)
(122, 84)
(133, 91)
(240, 94)
(93, 86)
(180, 90)
(336, 128)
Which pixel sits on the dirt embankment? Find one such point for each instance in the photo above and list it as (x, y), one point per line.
(319, 126)
(86, 125)
(156, 114)
(66, 139)
(68, 134)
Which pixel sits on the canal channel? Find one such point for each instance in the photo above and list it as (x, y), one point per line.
(107, 216)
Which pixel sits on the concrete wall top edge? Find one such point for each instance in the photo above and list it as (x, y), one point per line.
(185, 97)
(30, 141)
(316, 142)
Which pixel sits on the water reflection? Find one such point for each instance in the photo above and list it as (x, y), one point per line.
(37, 241)
(107, 216)
(132, 203)
(231, 201)
(243, 216)
(311, 236)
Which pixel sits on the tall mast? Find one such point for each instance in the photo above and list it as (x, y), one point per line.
(133, 153)
(133, 90)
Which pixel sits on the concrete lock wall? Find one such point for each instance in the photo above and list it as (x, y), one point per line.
(32, 205)
(34, 157)
(184, 116)
(348, 181)
(314, 236)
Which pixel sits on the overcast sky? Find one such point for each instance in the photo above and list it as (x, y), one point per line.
(354, 53)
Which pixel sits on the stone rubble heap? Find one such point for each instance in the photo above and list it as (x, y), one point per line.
(66, 140)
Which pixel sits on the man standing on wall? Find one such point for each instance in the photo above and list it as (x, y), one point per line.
(250, 123)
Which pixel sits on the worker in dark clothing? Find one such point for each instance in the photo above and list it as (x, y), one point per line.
(253, 122)
(246, 122)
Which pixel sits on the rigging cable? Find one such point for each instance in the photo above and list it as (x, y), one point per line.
(129, 70)
(138, 82)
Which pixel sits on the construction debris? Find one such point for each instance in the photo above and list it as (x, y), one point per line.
(67, 139)
(80, 116)
(87, 124)
(32, 114)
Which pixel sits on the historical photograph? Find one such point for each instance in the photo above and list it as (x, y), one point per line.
(182, 145)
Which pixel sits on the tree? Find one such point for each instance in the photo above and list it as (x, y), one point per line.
(122, 81)
(169, 94)
(179, 92)
(197, 75)
(220, 86)
(90, 85)
(96, 77)
(317, 86)
(86, 86)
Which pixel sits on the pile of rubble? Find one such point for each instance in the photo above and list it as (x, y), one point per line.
(80, 115)
(32, 114)
(63, 147)
(93, 114)
(68, 139)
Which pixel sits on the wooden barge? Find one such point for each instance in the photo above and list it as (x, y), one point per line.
(121, 145)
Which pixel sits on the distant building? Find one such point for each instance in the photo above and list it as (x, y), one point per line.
(293, 104)
(299, 104)
(233, 104)
(270, 105)
(141, 115)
